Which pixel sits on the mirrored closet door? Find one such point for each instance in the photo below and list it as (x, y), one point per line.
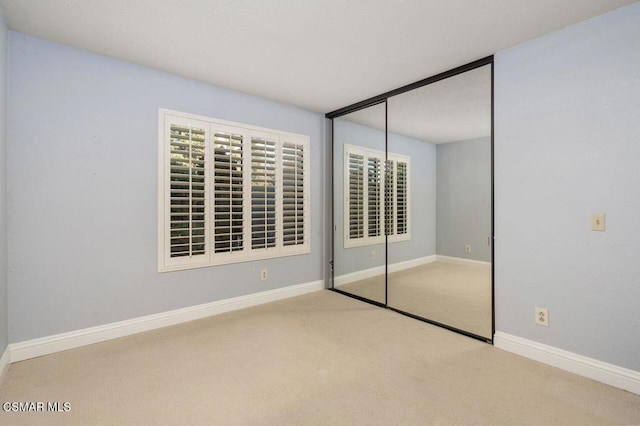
(359, 259)
(412, 200)
(439, 161)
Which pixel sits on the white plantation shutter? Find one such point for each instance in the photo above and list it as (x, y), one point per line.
(401, 197)
(293, 205)
(187, 179)
(389, 198)
(229, 193)
(263, 193)
(374, 190)
(356, 195)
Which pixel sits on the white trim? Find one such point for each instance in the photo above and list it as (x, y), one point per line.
(74, 339)
(343, 279)
(408, 264)
(609, 374)
(5, 360)
(462, 261)
(166, 263)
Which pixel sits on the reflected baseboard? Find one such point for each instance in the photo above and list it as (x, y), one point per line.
(351, 277)
(462, 261)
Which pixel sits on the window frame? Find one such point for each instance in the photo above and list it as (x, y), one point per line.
(383, 158)
(166, 263)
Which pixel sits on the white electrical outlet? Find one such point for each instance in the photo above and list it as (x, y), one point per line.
(264, 274)
(542, 316)
(467, 248)
(373, 255)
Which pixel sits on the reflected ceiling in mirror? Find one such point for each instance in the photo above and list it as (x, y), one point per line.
(457, 108)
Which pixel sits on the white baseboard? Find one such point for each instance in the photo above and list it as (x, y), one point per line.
(5, 360)
(408, 264)
(343, 279)
(609, 374)
(462, 261)
(74, 339)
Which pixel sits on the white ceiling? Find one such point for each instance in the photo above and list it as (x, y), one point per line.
(455, 109)
(316, 54)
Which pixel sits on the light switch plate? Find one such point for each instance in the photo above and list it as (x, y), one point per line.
(598, 221)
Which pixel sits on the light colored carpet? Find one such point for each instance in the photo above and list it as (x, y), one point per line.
(322, 358)
(455, 295)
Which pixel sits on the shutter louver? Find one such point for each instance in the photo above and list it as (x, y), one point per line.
(228, 224)
(401, 197)
(263, 193)
(389, 198)
(187, 191)
(356, 195)
(292, 194)
(374, 190)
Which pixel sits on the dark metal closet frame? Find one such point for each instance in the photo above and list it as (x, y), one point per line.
(383, 98)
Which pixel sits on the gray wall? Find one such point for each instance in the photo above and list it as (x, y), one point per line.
(82, 176)
(4, 328)
(423, 193)
(463, 198)
(567, 144)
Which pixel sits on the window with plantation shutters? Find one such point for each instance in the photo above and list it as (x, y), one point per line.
(187, 191)
(263, 193)
(374, 189)
(229, 192)
(356, 195)
(389, 199)
(376, 197)
(401, 197)
(293, 183)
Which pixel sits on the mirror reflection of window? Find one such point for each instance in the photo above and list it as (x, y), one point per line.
(378, 196)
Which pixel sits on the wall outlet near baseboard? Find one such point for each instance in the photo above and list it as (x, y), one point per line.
(467, 248)
(264, 274)
(542, 316)
(373, 255)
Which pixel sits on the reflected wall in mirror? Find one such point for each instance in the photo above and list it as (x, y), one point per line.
(359, 204)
